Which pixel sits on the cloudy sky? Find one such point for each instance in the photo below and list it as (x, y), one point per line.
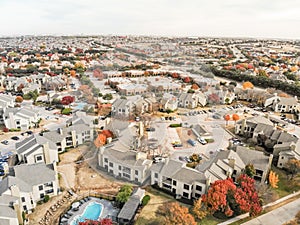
(220, 18)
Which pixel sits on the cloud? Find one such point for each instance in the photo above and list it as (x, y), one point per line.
(268, 18)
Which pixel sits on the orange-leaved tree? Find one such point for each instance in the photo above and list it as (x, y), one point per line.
(248, 85)
(235, 117)
(273, 179)
(227, 118)
(199, 209)
(19, 99)
(174, 213)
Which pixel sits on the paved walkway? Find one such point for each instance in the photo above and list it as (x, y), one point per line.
(278, 216)
(235, 219)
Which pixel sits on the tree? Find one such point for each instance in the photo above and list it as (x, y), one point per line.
(227, 118)
(227, 100)
(249, 170)
(67, 100)
(235, 117)
(174, 213)
(248, 85)
(124, 193)
(293, 167)
(199, 209)
(273, 179)
(195, 87)
(105, 221)
(232, 199)
(19, 99)
(214, 98)
(187, 80)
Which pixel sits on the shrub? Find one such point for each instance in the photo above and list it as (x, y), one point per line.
(145, 200)
(175, 125)
(66, 111)
(46, 198)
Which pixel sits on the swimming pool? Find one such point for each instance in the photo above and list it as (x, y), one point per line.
(79, 105)
(91, 212)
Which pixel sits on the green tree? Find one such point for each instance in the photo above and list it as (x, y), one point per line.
(249, 170)
(124, 193)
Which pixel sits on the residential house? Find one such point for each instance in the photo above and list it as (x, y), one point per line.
(9, 210)
(246, 127)
(287, 105)
(188, 100)
(21, 118)
(129, 165)
(6, 101)
(232, 163)
(168, 102)
(36, 149)
(179, 180)
(70, 137)
(24, 187)
(122, 108)
(132, 89)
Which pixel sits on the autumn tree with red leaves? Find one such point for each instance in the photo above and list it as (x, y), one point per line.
(187, 80)
(67, 100)
(224, 196)
(105, 221)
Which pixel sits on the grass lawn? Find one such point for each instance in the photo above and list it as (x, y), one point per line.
(285, 185)
(210, 220)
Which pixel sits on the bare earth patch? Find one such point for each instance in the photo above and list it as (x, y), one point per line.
(79, 177)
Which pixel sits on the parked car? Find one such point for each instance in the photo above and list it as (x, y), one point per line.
(15, 138)
(29, 132)
(150, 129)
(192, 142)
(202, 140)
(5, 142)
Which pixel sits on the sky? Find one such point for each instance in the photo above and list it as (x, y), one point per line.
(204, 18)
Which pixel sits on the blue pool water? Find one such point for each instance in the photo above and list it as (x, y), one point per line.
(79, 105)
(92, 212)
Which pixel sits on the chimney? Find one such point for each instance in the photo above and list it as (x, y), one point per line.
(231, 162)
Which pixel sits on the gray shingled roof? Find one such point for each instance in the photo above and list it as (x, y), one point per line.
(35, 174)
(189, 176)
(8, 181)
(128, 210)
(258, 159)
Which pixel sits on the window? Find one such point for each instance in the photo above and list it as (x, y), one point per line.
(282, 157)
(106, 160)
(126, 175)
(186, 195)
(39, 158)
(186, 187)
(24, 207)
(136, 179)
(120, 167)
(41, 187)
(174, 182)
(198, 188)
(111, 164)
(23, 199)
(197, 195)
(136, 172)
(156, 175)
(42, 195)
(111, 171)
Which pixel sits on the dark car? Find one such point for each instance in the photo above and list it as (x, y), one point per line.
(29, 132)
(15, 138)
(150, 129)
(5, 142)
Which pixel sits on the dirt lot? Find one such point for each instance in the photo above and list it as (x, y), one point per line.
(80, 177)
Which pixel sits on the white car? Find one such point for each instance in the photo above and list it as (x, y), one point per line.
(202, 140)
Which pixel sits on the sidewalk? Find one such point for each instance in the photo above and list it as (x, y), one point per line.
(232, 220)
